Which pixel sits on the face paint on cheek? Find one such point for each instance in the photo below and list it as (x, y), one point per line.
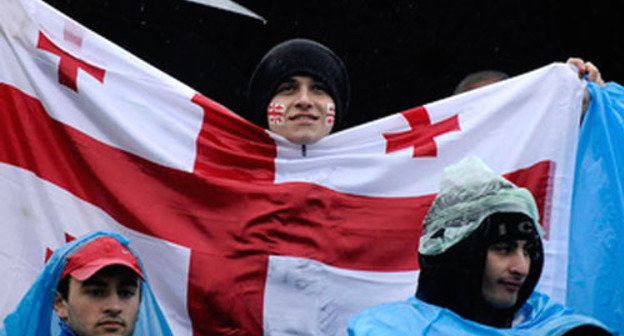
(330, 114)
(276, 113)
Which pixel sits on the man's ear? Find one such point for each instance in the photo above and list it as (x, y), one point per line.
(60, 306)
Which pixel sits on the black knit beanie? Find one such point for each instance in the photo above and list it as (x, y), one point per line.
(297, 57)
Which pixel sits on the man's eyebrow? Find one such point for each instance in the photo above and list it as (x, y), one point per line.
(130, 282)
(319, 82)
(288, 80)
(512, 243)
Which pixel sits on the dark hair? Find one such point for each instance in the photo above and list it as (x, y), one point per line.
(478, 79)
(63, 287)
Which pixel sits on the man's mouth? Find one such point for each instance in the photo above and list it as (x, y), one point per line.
(111, 323)
(511, 285)
(303, 117)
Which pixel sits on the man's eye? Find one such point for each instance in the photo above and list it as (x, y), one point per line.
(127, 293)
(320, 88)
(501, 248)
(286, 87)
(95, 292)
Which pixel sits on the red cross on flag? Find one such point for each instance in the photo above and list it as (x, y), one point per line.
(240, 233)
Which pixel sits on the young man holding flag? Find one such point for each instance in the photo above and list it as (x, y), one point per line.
(300, 90)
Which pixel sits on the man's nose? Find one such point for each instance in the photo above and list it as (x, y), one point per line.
(113, 305)
(520, 263)
(303, 100)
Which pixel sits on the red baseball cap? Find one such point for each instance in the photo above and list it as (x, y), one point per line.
(99, 253)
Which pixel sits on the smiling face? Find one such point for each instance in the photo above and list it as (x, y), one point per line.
(105, 304)
(302, 110)
(506, 268)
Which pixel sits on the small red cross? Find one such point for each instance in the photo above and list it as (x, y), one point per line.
(69, 65)
(50, 251)
(421, 134)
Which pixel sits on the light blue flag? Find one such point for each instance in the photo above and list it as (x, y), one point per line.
(596, 257)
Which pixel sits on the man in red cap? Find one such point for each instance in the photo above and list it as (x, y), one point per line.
(100, 290)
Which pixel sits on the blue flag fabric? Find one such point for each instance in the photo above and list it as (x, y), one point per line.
(34, 316)
(596, 257)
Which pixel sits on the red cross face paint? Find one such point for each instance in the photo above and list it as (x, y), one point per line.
(276, 113)
(330, 114)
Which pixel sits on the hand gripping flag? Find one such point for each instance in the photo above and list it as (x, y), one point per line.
(241, 234)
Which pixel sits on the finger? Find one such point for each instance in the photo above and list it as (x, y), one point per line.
(578, 63)
(592, 71)
(593, 74)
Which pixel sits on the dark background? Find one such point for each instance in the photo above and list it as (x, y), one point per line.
(399, 54)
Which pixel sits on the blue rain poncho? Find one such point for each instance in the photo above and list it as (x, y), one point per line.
(538, 316)
(34, 315)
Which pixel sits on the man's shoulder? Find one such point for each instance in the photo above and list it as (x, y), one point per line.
(394, 318)
(540, 312)
(540, 307)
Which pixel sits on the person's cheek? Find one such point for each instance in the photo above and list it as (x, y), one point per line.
(276, 114)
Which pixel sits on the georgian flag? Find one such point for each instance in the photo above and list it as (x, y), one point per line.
(240, 233)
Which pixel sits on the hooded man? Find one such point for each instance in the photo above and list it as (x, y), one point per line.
(480, 256)
(92, 286)
(300, 90)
